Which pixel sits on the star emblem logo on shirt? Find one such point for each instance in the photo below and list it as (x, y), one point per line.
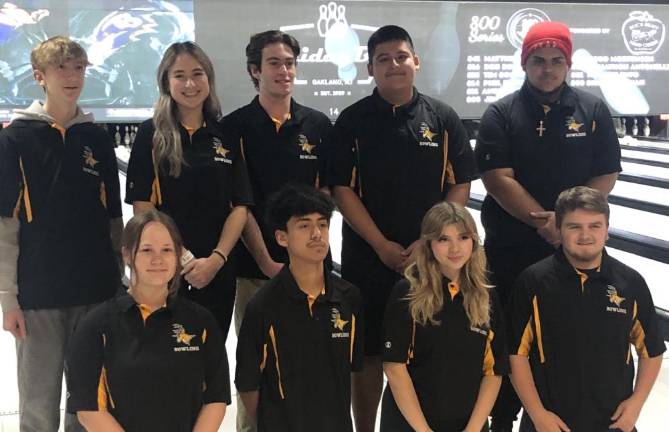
(426, 132)
(614, 298)
(218, 147)
(337, 322)
(573, 125)
(179, 333)
(303, 142)
(88, 157)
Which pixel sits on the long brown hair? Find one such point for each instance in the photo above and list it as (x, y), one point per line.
(167, 144)
(132, 234)
(426, 295)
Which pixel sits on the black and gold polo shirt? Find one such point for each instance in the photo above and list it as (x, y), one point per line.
(446, 361)
(277, 153)
(578, 328)
(213, 180)
(549, 147)
(299, 353)
(400, 161)
(62, 185)
(151, 372)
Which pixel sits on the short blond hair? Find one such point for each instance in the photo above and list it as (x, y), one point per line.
(56, 50)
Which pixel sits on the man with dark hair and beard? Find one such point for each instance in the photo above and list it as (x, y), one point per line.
(533, 144)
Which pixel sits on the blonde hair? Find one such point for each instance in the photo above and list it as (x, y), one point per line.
(167, 146)
(426, 295)
(55, 51)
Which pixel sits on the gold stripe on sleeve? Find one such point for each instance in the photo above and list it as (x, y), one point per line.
(104, 395)
(103, 194)
(537, 325)
(156, 195)
(352, 341)
(489, 359)
(413, 342)
(445, 162)
(17, 207)
(638, 339)
(264, 357)
(26, 194)
(276, 357)
(526, 340)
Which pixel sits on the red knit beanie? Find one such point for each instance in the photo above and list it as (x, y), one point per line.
(547, 34)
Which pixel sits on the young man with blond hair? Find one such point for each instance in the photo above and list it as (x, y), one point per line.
(60, 224)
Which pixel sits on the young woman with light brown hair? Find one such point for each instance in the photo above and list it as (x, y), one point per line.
(184, 163)
(444, 350)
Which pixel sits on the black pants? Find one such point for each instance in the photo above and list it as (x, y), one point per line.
(505, 264)
(526, 425)
(392, 419)
(218, 297)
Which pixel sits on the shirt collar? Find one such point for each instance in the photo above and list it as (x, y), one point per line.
(125, 302)
(296, 112)
(208, 126)
(407, 110)
(565, 104)
(451, 289)
(332, 294)
(564, 266)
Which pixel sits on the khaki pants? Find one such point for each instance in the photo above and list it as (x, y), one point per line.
(246, 289)
(40, 359)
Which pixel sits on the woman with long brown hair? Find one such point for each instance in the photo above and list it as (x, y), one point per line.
(444, 349)
(185, 164)
(149, 360)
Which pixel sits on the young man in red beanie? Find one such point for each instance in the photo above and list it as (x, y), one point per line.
(532, 145)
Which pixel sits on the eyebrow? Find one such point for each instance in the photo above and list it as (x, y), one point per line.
(322, 218)
(548, 58)
(197, 69)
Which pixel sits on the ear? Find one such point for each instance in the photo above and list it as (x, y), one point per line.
(39, 77)
(416, 61)
(126, 256)
(255, 72)
(370, 69)
(281, 238)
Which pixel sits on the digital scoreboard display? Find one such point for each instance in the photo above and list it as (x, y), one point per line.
(469, 51)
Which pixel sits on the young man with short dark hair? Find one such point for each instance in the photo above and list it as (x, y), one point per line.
(395, 154)
(573, 318)
(301, 334)
(281, 141)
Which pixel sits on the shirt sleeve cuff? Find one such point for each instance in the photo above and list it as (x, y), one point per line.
(9, 301)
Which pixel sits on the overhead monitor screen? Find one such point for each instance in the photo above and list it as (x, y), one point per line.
(469, 51)
(124, 40)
